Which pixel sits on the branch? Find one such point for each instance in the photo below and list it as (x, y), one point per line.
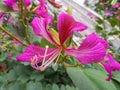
(13, 36)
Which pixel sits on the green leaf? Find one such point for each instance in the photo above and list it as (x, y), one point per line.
(80, 79)
(2, 88)
(55, 87)
(98, 78)
(11, 75)
(115, 32)
(69, 88)
(62, 87)
(14, 86)
(37, 75)
(34, 86)
(4, 8)
(3, 56)
(117, 76)
(47, 87)
(117, 84)
(2, 80)
(45, 42)
(32, 37)
(23, 78)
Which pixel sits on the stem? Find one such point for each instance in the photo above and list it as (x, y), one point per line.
(24, 20)
(13, 36)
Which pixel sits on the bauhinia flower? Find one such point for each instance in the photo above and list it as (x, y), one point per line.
(41, 10)
(1, 16)
(110, 64)
(92, 49)
(4, 17)
(13, 3)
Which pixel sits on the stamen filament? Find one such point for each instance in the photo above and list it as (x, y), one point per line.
(51, 59)
(45, 54)
(56, 61)
(54, 54)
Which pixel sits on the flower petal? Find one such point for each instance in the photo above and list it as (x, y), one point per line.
(39, 26)
(11, 4)
(33, 50)
(90, 51)
(42, 10)
(28, 2)
(110, 65)
(66, 25)
(94, 39)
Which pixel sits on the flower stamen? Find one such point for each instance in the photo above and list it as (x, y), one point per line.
(56, 62)
(45, 54)
(34, 62)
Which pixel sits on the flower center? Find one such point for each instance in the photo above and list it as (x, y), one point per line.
(46, 62)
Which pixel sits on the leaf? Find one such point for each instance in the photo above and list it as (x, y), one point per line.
(14, 86)
(98, 78)
(117, 76)
(3, 56)
(37, 75)
(2, 80)
(80, 79)
(4, 8)
(115, 32)
(55, 87)
(47, 87)
(11, 75)
(34, 86)
(45, 42)
(23, 78)
(62, 87)
(32, 37)
(69, 88)
(117, 84)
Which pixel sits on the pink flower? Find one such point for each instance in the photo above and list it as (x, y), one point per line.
(110, 65)
(4, 17)
(92, 16)
(108, 13)
(16, 43)
(13, 3)
(91, 50)
(9, 56)
(103, 3)
(118, 17)
(1, 16)
(116, 5)
(27, 2)
(41, 10)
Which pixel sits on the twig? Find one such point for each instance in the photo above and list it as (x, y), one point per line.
(13, 36)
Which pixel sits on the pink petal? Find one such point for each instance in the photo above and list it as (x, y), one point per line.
(11, 4)
(33, 50)
(66, 25)
(43, 3)
(42, 9)
(90, 51)
(39, 26)
(94, 39)
(110, 65)
(28, 2)
(1, 16)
